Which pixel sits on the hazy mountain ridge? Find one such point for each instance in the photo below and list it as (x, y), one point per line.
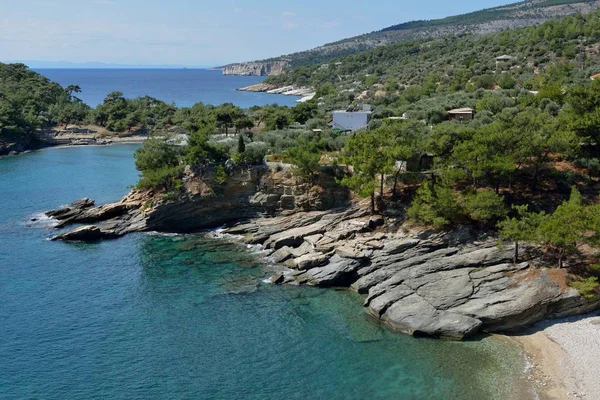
(526, 13)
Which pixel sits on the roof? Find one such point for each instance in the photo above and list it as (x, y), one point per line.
(461, 111)
(594, 77)
(352, 112)
(504, 57)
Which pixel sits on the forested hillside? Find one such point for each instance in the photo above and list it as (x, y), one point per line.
(405, 76)
(526, 167)
(522, 14)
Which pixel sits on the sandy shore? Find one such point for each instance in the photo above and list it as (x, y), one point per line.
(564, 357)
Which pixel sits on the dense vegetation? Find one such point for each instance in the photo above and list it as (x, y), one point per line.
(29, 101)
(527, 164)
(405, 73)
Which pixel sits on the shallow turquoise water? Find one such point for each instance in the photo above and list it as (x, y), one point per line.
(151, 316)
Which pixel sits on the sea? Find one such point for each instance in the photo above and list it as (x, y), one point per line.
(153, 316)
(183, 87)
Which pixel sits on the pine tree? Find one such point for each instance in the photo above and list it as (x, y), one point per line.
(522, 227)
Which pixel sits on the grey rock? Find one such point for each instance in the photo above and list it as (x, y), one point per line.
(338, 272)
(281, 255)
(414, 316)
(269, 201)
(313, 240)
(72, 210)
(304, 249)
(351, 252)
(294, 237)
(287, 202)
(277, 279)
(309, 261)
(85, 234)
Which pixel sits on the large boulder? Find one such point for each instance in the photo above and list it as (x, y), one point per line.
(414, 316)
(338, 272)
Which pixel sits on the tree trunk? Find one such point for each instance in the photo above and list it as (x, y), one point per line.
(560, 259)
(516, 256)
(381, 187)
(534, 181)
(395, 184)
(373, 202)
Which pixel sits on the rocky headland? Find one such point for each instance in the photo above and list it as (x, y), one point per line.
(257, 68)
(416, 281)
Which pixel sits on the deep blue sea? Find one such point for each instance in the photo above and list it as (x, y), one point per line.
(189, 317)
(184, 87)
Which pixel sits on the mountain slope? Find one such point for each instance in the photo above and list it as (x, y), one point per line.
(526, 13)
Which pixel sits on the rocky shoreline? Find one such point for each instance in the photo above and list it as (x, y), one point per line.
(12, 149)
(305, 93)
(449, 285)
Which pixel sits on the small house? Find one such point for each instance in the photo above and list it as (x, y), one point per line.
(350, 121)
(461, 114)
(595, 77)
(504, 58)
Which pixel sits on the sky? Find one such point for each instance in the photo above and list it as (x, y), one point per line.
(196, 33)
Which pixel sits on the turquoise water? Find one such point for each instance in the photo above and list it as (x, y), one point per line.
(160, 317)
(184, 87)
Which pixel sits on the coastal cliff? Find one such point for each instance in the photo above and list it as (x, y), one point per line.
(257, 68)
(420, 282)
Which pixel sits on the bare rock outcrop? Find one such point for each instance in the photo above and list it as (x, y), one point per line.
(204, 203)
(257, 68)
(450, 285)
(441, 284)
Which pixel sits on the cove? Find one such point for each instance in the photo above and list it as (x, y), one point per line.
(189, 316)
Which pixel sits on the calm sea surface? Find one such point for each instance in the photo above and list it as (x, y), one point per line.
(173, 317)
(184, 87)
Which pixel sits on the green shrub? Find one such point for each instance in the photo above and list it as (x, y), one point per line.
(588, 287)
(255, 153)
(592, 165)
(485, 206)
(155, 154)
(436, 205)
(166, 178)
(305, 156)
(221, 175)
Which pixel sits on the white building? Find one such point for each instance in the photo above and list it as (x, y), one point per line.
(351, 120)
